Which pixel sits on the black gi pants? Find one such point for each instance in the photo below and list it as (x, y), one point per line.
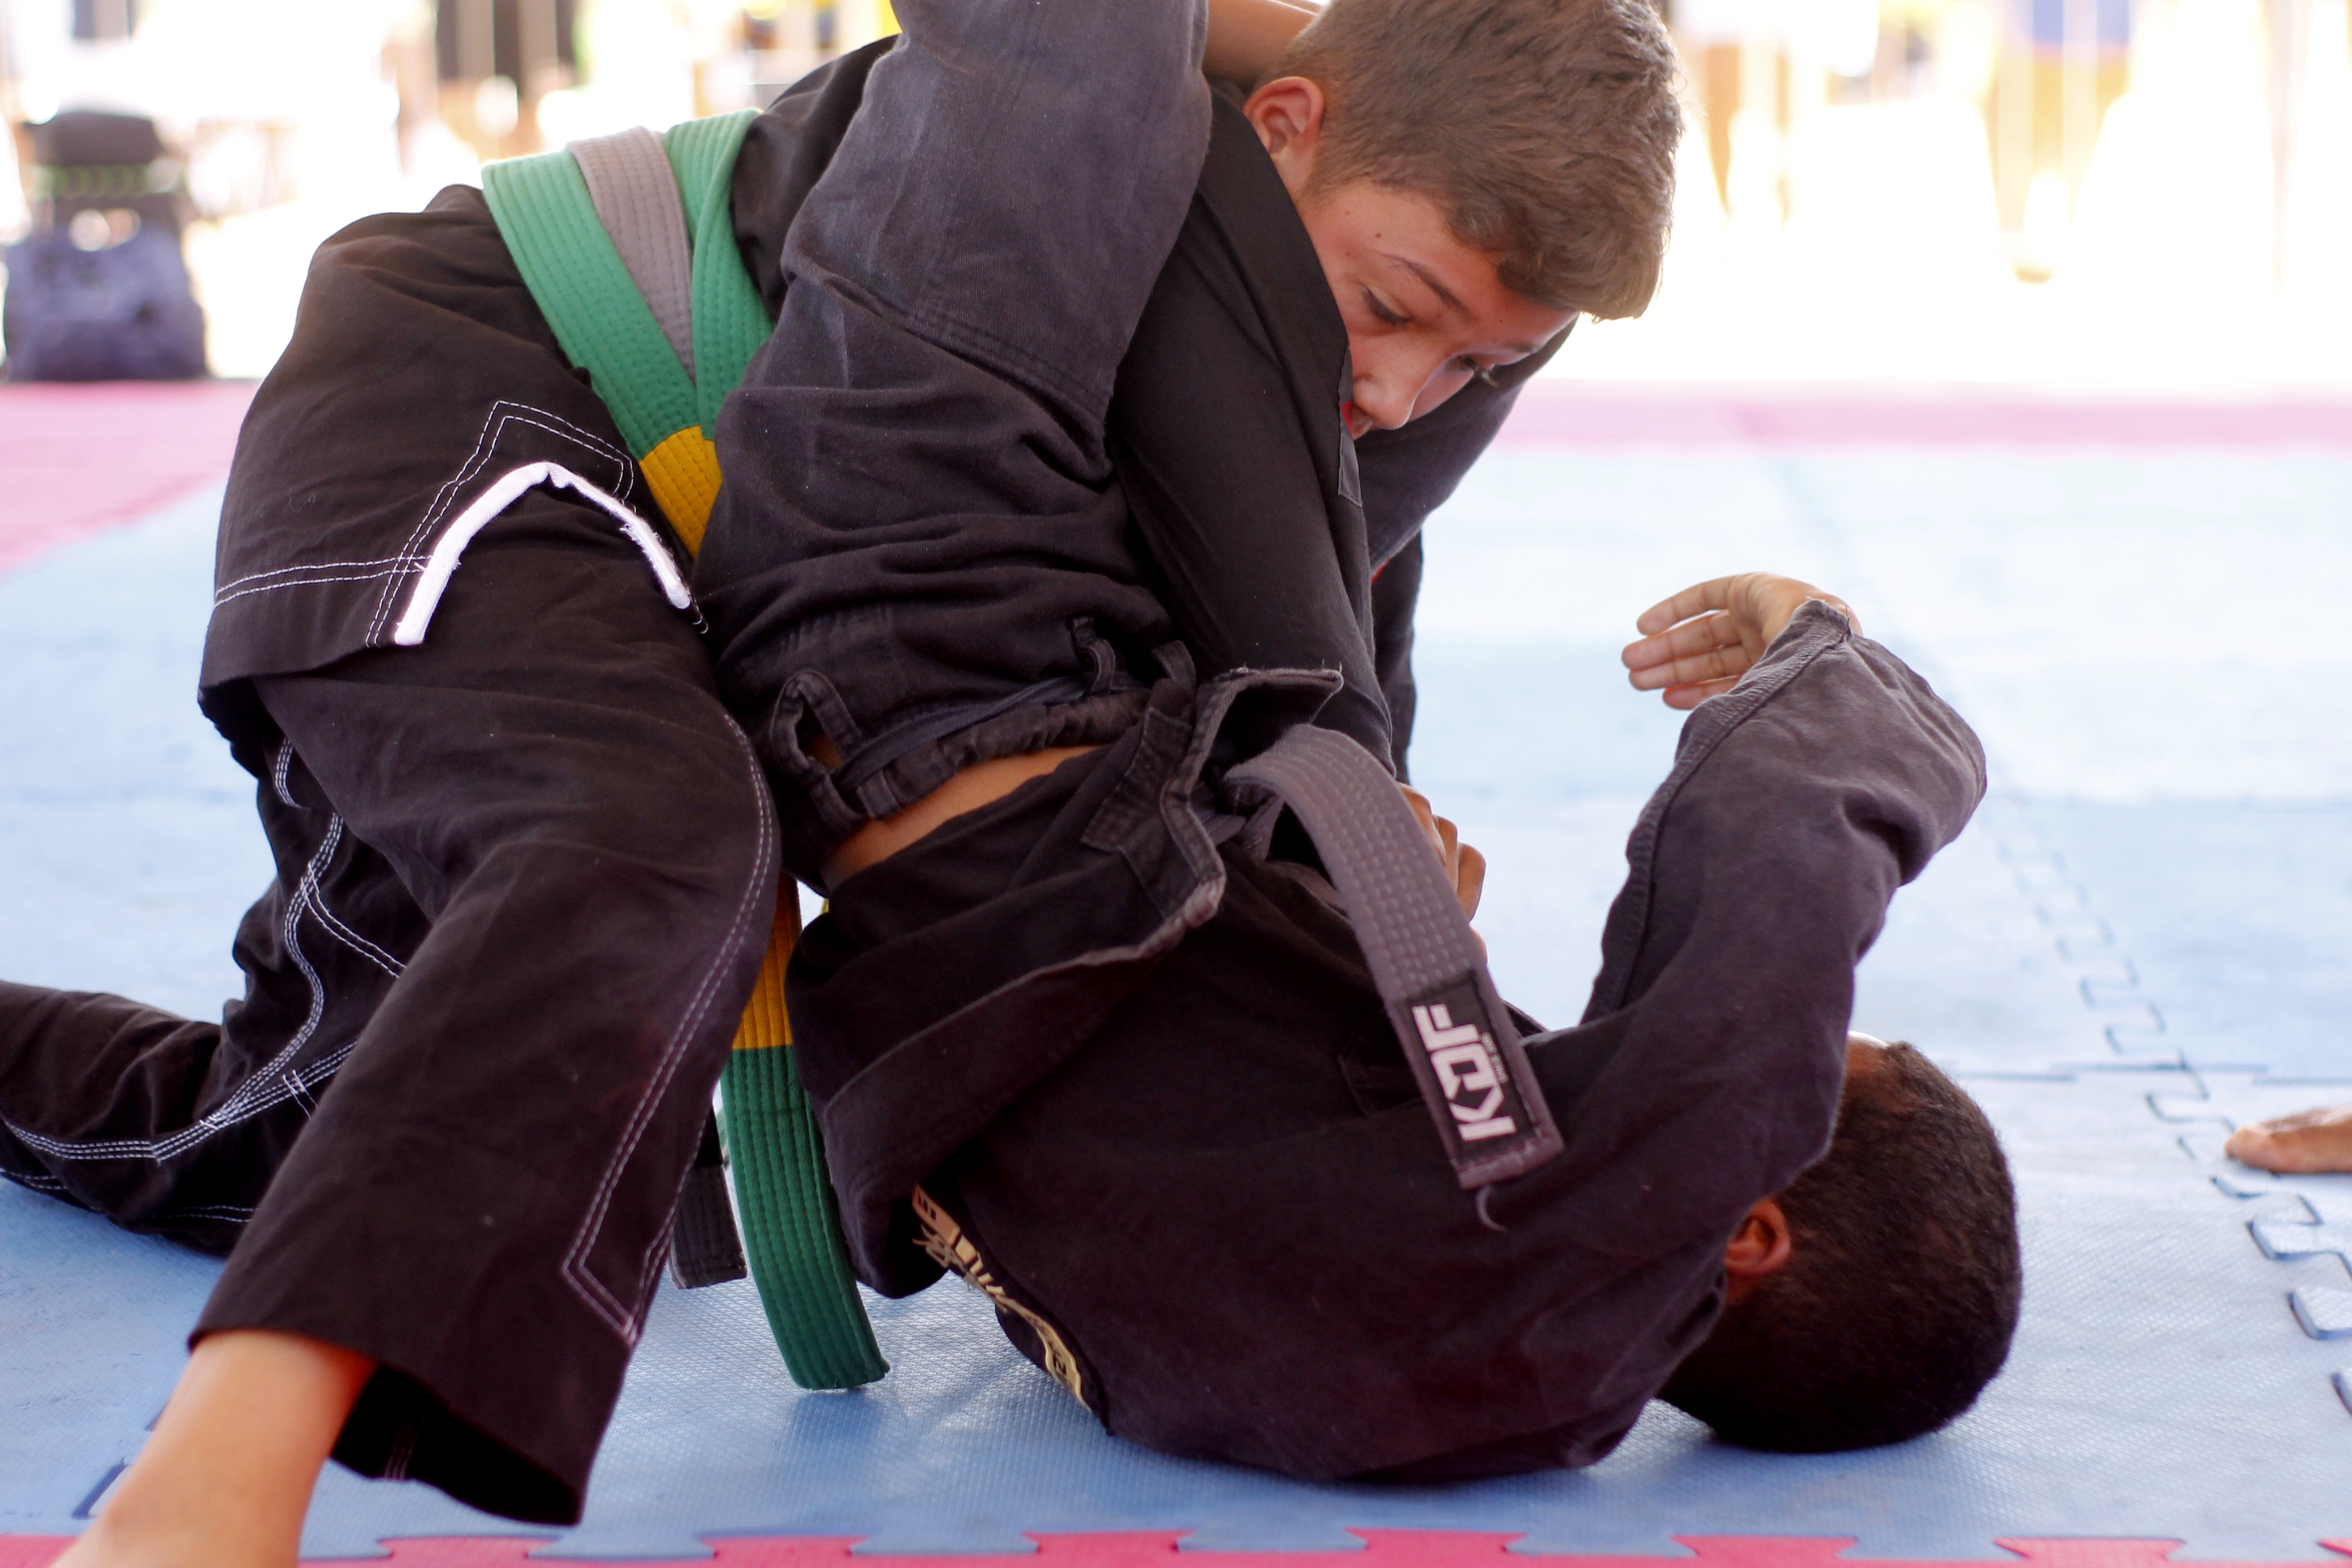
(526, 874)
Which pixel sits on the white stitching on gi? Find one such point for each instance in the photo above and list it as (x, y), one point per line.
(624, 1318)
(355, 941)
(304, 891)
(486, 440)
(280, 1091)
(392, 570)
(271, 1086)
(309, 890)
(402, 1453)
(387, 560)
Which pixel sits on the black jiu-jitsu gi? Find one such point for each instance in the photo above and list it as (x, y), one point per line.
(525, 855)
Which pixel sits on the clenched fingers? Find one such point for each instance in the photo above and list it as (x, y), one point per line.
(1464, 866)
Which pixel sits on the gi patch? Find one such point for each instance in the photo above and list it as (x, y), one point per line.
(1466, 1054)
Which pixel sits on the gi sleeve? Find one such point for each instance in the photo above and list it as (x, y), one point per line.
(1758, 875)
(1013, 178)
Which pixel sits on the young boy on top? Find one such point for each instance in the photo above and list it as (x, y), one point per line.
(516, 1092)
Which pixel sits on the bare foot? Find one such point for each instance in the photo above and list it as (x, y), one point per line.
(2304, 1143)
(226, 1478)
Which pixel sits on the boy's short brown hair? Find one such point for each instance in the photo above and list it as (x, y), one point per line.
(1546, 129)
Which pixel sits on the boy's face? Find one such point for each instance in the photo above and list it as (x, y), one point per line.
(1424, 312)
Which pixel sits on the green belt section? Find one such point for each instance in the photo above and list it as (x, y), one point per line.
(603, 325)
(792, 1240)
(791, 1235)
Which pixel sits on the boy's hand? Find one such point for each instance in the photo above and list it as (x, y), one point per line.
(2307, 1141)
(1699, 642)
(1464, 866)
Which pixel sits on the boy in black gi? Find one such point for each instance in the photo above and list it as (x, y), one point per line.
(924, 586)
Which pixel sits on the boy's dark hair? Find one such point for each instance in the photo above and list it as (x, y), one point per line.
(1545, 129)
(1900, 1294)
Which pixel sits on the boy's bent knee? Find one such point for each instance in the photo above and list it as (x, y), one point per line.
(653, 794)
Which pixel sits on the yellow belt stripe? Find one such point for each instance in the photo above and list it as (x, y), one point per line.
(683, 474)
(764, 1024)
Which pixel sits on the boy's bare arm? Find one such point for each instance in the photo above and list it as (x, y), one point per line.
(1698, 643)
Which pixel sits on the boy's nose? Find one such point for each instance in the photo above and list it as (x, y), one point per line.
(1379, 404)
(1395, 383)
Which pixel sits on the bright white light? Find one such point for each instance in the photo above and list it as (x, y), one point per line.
(497, 108)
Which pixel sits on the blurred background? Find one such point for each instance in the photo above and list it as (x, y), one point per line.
(2150, 195)
(281, 120)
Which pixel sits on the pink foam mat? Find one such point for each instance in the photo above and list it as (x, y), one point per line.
(1136, 1549)
(77, 459)
(1552, 414)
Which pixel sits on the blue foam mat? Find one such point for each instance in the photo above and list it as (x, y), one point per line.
(2161, 1388)
(2235, 915)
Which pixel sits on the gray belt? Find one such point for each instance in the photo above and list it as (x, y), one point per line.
(1430, 971)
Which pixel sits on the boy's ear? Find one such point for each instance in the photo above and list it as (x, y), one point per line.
(1287, 114)
(1758, 1249)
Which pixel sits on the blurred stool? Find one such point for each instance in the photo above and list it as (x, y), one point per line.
(99, 290)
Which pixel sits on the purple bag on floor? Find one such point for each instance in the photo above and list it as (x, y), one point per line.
(123, 313)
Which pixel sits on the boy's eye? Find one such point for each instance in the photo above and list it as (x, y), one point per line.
(1380, 313)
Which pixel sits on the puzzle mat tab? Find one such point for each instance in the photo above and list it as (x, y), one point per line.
(2162, 1384)
(2237, 918)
